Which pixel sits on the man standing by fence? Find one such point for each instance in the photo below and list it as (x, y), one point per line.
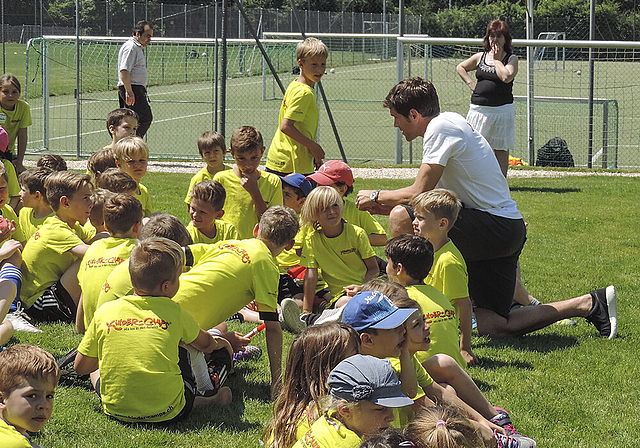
(133, 75)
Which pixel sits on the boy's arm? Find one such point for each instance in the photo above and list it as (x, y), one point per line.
(464, 304)
(84, 365)
(373, 271)
(289, 129)
(22, 148)
(408, 378)
(80, 316)
(79, 250)
(206, 343)
(377, 239)
(273, 335)
(250, 183)
(309, 289)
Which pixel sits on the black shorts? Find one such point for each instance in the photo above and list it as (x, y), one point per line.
(491, 246)
(189, 381)
(55, 304)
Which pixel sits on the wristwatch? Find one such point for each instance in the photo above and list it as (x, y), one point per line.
(374, 195)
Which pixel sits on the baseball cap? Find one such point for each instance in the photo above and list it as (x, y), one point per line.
(4, 140)
(297, 180)
(372, 309)
(333, 171)
(364, 377)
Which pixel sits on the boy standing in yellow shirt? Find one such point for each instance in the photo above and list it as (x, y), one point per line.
(249, 191)
(211, 148)
(293, 148)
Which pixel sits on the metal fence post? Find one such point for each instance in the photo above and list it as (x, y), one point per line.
(185, 20)
(399, 71)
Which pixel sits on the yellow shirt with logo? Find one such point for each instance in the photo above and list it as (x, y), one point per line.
(145, 200)
(14, 120)
(449, 274)
(117, 284)
(402, 416)
(239, 208)
(228, 276)
(7, 212)
(285, 154)
(98, 262)
(224, 231)
(136, 342)
(328, 432)
(47, 256)
(28, 223)
(340, 258)
(11, 438)
(441, 316)
(201, 176)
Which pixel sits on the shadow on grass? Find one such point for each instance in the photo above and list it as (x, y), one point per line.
(493, 364)
(546, 190)
(539, 343)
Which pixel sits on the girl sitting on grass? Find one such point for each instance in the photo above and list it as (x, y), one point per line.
(312, 356)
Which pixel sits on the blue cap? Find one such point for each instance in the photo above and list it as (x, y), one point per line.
(297, 180)
(372, 309)
(364, 377)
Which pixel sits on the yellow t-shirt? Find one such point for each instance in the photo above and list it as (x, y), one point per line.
(145, 200)
(239, 208)
(100, 259)
(117, 284)
(7, 212)
(449, 274)
(361, 218)
(340, 258)
(441, 316)
(89, 229)
(11, 438)
(200, 176)
(285, 154)
(327, 432)
(290, 258)
(136, 342)
(47, 256)
(227, 277)
(12, 183)
(14, 120)
(224, 231)
(402, 416)
(28, 223)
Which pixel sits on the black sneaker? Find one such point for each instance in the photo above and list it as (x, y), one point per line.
(604, 311)
(67, 359)
(236, 318)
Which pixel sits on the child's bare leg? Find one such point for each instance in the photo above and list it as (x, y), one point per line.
(94, 377)
(7, 294)
(6, 331)
(250, 315)
(222, 398)
(521, 295)
(342, 301)
(70, 281)
(445, 370)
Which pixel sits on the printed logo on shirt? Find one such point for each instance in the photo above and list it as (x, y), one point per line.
(36, 236)
(347, 251)
(3, 117)
(106, 287)
(102, 262)
(244, 255)
(134, 323)
(439, 315)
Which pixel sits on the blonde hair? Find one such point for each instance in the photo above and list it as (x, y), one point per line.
(126, 148)
(154, 261)
(311, 47)
(26, 361)
(442, 203)
(443, 427)
(318, 200)
(278, 225)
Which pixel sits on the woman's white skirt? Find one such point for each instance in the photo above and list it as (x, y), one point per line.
(495, 123)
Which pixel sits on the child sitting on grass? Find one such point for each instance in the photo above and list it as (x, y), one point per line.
(12, 230)
(132, 154)
(144, 374)
(122, 219)
(249, 191)
(96, 218)
(211, 148)
(52, 161)
(121, 123)
(100, 161)
(28, 379)
(34, 201)
(206, 211)
(439, 426)
(117, 181)
(363, 391)
(312, 356)
(50, 289)
(340, 249)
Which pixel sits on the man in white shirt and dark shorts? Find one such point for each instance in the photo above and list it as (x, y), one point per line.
(133, 75)
(489, 231)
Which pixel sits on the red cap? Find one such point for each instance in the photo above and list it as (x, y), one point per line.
(4, 140)
(333, 171)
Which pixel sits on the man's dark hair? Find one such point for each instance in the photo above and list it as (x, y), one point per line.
(414, 252)
(139, 27)
(413, 93)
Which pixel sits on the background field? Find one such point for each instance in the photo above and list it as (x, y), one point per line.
(182, 95)
(563, 386)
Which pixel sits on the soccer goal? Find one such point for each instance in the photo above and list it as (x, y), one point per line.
(547, 58)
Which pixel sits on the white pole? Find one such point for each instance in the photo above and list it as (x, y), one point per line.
(530, 92)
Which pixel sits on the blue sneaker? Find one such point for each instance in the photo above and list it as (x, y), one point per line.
(250, 352)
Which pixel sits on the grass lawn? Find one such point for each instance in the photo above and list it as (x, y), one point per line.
(563, 385)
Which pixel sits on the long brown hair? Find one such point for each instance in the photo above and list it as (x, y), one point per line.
(312, 356)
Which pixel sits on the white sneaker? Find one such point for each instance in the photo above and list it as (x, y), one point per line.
(20, 322)
(334, 315)
(291, 316)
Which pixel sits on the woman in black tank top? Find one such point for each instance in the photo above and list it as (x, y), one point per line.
(492, 113)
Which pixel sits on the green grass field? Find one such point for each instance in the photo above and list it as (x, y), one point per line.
(181, 92)
(563, 386)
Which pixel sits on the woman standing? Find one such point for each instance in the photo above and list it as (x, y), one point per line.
(492, 112)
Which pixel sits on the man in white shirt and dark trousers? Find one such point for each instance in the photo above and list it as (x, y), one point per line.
(133, 75)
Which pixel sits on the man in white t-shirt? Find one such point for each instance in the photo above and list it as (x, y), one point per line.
(489, 231)
(133, 75)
